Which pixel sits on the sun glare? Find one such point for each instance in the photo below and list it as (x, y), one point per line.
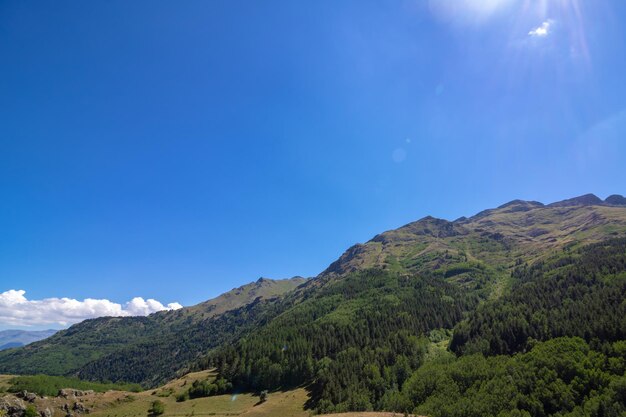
(468, 11)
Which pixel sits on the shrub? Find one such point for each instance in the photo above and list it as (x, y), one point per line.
(263, 396)
(157, 408)
(31, 411)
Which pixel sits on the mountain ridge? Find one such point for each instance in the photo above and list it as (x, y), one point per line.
(109, 335)
(463, 262)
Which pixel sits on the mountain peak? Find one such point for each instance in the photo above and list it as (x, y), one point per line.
(616, 200)
(583, 200)
(521, 203)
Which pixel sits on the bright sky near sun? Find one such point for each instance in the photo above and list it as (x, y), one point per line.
(154, 153)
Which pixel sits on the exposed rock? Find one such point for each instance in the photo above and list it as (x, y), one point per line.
(46, 413)
(66, 393)
(12, 406)
(80, 408)
(28, 396)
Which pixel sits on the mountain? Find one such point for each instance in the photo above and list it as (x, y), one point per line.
(616, 200)
(16, 338)
(493, 240)
(183, 331)
(486, 315)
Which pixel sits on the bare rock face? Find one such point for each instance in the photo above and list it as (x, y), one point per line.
(46, 413)
(12, 406)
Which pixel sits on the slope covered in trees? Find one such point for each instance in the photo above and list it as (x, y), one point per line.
(577, 293)
(361, 333)
(147, 350)
(523, 291)
(360, 340)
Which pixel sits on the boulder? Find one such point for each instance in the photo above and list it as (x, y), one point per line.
(67, 393)
(80, 408)
(12, 406)
(28, 396)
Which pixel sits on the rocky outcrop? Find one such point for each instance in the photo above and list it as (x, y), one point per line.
(67, 393)
(80, 408)
(12, 406)
(27, 396)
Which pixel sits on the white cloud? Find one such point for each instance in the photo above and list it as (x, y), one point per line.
(541, 31)
(17, 310)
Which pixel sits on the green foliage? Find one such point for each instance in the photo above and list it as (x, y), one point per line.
(545, 340)
(575, 294)
(206, 388)
(355, 338)
(156, 408)
(183, 396)
(146, 350)
(31, 411)
(50, 385)
(563, 376)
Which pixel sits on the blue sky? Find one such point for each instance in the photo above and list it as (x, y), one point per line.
(174, 150)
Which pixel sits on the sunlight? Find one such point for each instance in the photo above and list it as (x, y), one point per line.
(568, 14)
(467, 11)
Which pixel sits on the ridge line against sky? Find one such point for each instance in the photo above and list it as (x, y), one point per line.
(175, 151)
(18, 312)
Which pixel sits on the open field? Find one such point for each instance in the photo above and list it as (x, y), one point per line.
(289, 403)
(129, 404)
(4, 382)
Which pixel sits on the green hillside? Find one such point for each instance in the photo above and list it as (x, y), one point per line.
(155, 348)
(515, 311)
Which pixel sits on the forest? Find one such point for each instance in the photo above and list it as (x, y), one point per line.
(553, 345)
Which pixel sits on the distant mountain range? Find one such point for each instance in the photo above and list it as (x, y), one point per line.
(16, 338)
(405, 303)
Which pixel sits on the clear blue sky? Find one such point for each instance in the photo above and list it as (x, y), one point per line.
(175, 150)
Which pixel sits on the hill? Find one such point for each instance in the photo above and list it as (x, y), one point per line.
(520, 294)
(16, 338)
(183, 331)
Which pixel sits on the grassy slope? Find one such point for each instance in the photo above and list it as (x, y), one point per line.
(488, 244)
(126, 404)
